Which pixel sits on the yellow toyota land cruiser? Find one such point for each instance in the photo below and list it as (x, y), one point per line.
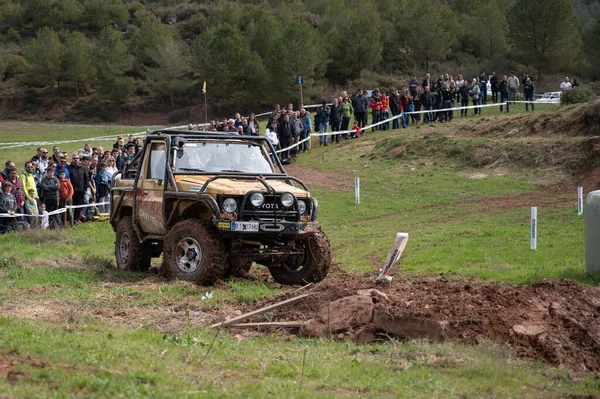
(212, 204)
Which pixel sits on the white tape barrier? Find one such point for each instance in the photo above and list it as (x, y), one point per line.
(432, 111)
(56, 212)
(5, 146)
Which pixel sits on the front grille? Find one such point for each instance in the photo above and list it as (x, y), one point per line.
(270, 210)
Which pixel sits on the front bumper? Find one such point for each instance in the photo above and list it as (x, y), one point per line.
(266, 229)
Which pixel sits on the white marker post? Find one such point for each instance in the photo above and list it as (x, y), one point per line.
(357, 190)
(396, 252)
(579, 200)
(534, 227)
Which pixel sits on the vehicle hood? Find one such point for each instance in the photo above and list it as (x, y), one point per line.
(237, 186)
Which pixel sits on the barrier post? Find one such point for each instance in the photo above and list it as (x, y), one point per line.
(534, 227)
(357, 190)
(579, 201)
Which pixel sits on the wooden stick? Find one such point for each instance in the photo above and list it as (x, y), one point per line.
(274, 324)
(302, 288)
(265, 309)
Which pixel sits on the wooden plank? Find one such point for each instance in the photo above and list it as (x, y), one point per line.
(274, 324)
(262, 310)
(302, 288)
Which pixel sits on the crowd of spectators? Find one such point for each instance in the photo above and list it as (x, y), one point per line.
(430, 100)
(51, 182)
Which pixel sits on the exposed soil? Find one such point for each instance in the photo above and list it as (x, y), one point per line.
(313, 177)
(555, 321)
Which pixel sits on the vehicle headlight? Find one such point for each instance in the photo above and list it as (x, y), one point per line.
(301, 207)
(257, 199)
(287, 200)
(229, 205)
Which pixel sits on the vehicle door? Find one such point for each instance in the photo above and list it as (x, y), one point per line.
(150, 189)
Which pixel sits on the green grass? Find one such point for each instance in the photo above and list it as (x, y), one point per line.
(110, 333)
(108, 361)
(19, 132)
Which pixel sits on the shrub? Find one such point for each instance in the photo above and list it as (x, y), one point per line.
(578, 95)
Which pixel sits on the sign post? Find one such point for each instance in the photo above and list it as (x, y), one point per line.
(395, 253)
(300, 81)
(205, 105)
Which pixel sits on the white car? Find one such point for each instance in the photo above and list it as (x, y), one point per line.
(551, 97)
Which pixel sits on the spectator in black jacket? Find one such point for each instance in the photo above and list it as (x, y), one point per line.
(528, 90)
(427, 82)
(49, 191)
(335, 119)
(504, 92)
(395, 107)
(80, 179)
(285, 134)
(494, 82)
(464, 98)
(428, 101)
(360, 104)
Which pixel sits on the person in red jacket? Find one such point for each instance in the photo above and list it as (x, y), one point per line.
(356, 130)
(385, 111)
(65, 193)
(376, 109)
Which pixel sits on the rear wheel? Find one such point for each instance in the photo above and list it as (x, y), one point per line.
(129, 252)
(194, 252)
(311, 266)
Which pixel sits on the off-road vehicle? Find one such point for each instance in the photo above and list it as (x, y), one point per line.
(212, 204)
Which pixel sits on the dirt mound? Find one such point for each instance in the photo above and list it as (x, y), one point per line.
(551, 320)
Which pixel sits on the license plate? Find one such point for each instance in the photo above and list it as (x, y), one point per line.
(244, 226)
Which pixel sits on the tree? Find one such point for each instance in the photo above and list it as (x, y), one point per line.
(98, 14)
(353, 35)
(77, 60)
(543, 33)
(485, 29)
(430, 30)
(148, 39)
(591, 45)
(52, 13)
(235, 73)
(112, 62)
(168, 77)
(289, 56)
(43, 56)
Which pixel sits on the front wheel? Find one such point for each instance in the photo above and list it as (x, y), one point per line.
(309, 267)
(129, 252)
(194, 252)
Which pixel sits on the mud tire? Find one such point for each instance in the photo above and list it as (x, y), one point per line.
(311, 268)
(130, 254)
(208, 258)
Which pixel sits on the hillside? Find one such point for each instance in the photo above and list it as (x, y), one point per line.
(100, 60)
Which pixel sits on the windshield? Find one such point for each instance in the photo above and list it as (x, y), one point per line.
(222, 157)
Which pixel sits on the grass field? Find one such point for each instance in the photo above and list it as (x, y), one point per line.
(73, 326)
